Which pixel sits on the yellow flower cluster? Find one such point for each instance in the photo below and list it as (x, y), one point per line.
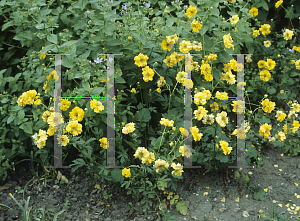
(278, 3)
(228, 41)
(296, 48)
(267, 44)
(173, 59)
(178, 169)
(185, 151)
(161, 82)
(238, 106)
(234, 19)
(202, 97)
(74, 128)
(77, 114)
(253, 12)
(96, 106)
(55, 119)
(209, 119)
(126, 172)
(288, 34)
(185, 46)
(141, 60)
(222, 119)
(269, 65)
(211, 57)
(241, 132)
(28, 98)
(52, 74)
(268, 106)
(229, 77)
(166, 122)
(184, 131)
(280, 116)
(148, 74)
(200, 113)
(40, 139)
(214, 107)
(144, 155)
(161, 165)
(221, 95)
(280, 136)
(63, 140)
(197, 136)
(104, 142)
(191, 12)
(264, 130)
(65, 104)
(196, 26)
(129, 128)
(43, 55)
(225, 148)
(265, 29)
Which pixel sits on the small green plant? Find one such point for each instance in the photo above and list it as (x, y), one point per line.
(106, 196)
(67, 203)
(274, 215)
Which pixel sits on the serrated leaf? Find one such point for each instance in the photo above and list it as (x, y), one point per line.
(181, 207)
(97, 91)
(120, 80)
(143, 115)
(27, 127)
(161, 185)
(86, 86)
(117, 176)
(52, 38)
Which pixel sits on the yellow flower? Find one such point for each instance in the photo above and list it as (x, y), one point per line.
(156, 31)
(65, 104)
(253, 12)
(264, 130)
(256, 33)
(296, 184)
(142, 153)
(234, 19)
(265, 75)
(165, 45)
(129, 37)
(161, 165)
(185, 46)
(43, 55)
(133, 90)
(55, 119)
(261, 64)
(65, 140)
(171, 144)
(196, 26)
(188, 83)
(267, 44)
(158, 90)
(141, 60)
(266, 190)
(228, 41)
(200, 113)
(104, 142)
(167, 11)
(77, 114)
(184, 131)
(288, 34)
(148, 74)
(129, 128)
(268, 106)
(126, 172)
(191, 12)
(37, 102)
(270, 64)
(180, 77)
(185, 151)
(222, 119)
(265, 29)
(278, 3)
(74, 128)
(96, 106)
(177, 169)
(222, 95)
(281, 91)
(225, 148)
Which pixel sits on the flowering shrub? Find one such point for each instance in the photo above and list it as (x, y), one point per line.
(150, 82)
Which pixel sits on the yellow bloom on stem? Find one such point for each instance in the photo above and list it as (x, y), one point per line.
(148, 74)
(191, 12)
(133, 90)
(126, 172)
(185, 46)
(172, 39)
(200, 113)
(74, 128)
(77, 114)
(228, 41)
(141, 60)
(65, 104)
(55, 119)
(180, 77)
(221, 95)
(184, 131)
(222, 119)
(253, 12)
(196, 26)
(165, 45)
(270, 64)
(255, 33)
(265, 75)
(268, 106)
(267, 44)
(161, 165)
(264, 130)
(142, 153)
(129, 128)
(225, 148)
(188, 83)
(177, 169)
(280, 116)
(185, 151)
(96, 106)
(129, 37)
(104, 142)
(234, 19)
(278, 3)
(265, 29)
(43, 55)
(261, 64)
(288, 34)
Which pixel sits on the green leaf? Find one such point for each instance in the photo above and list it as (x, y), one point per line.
(82, 4)
(52, 38)
(161, 184)
(272, 90)
(27, 127)
(258, 194)
(48, 48)
(67, 61)
(86, 86)
(224, 57)
(10, 119)
(130, 144)
(77, 163)
(84, 55)
(21, 114)
(181, 207)
(6, 25)
(117, 176)
(143, 115)
(69, 43)
(97, 91)
(210, 130)
(263, 4)
(120, 80)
